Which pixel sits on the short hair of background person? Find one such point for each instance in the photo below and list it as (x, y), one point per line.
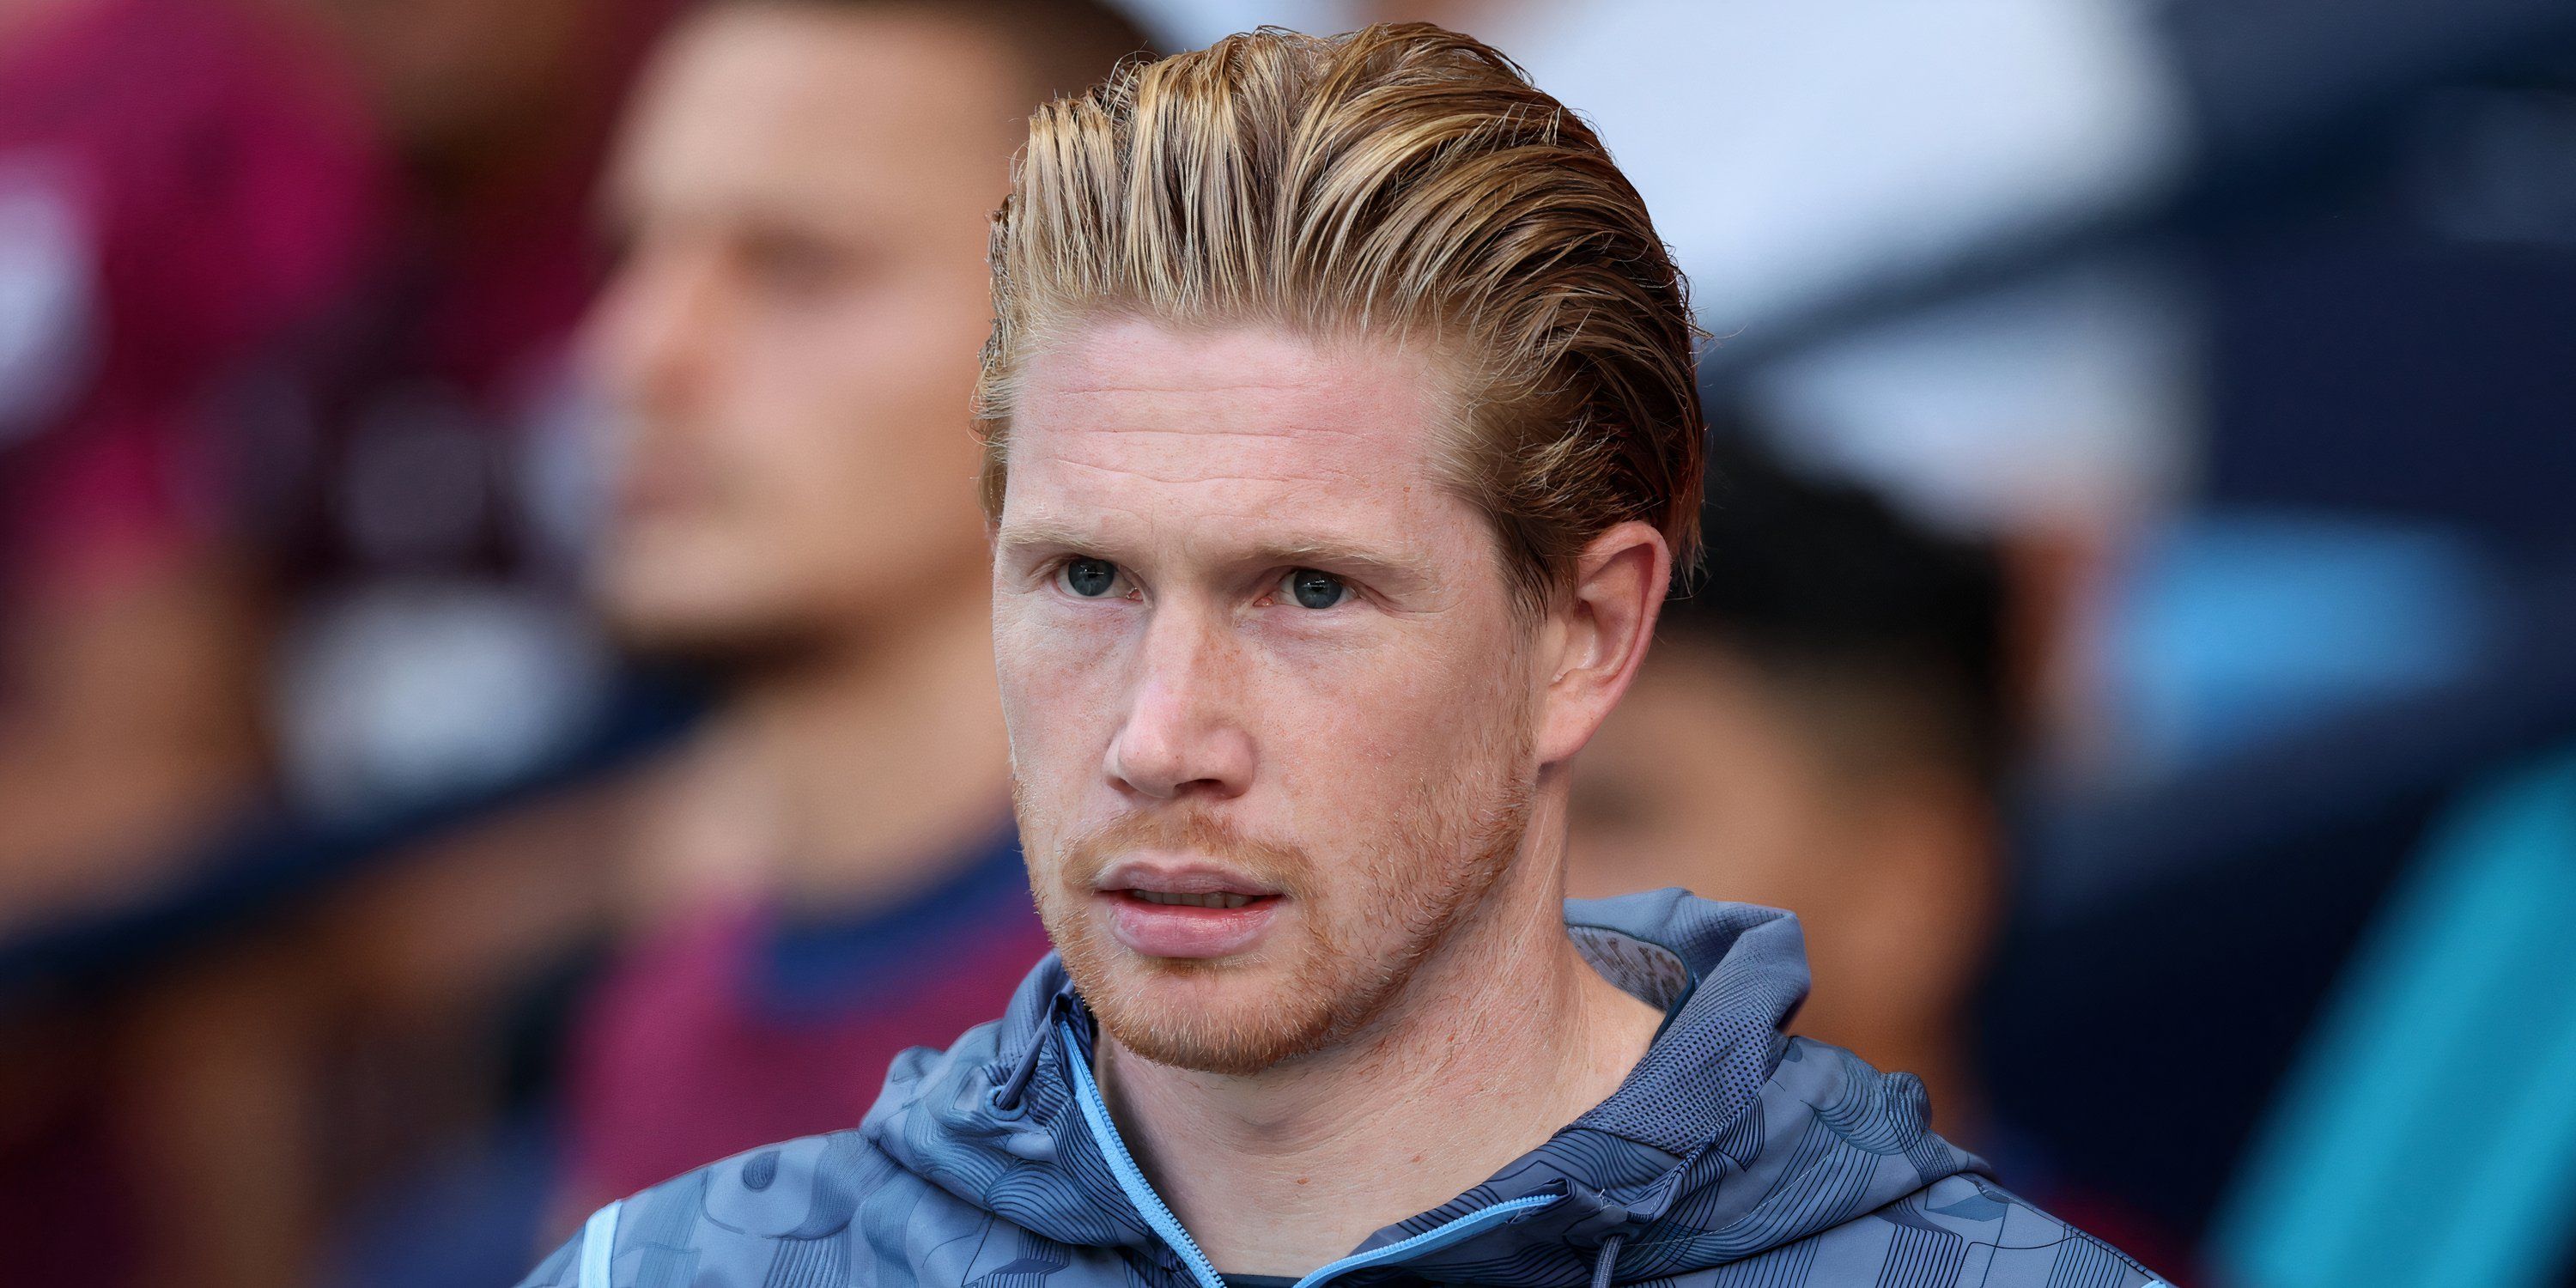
(1822, 727)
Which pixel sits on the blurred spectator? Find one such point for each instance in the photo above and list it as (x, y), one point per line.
(182, 184)
(1820, 728)
(1824, 726)
(281, 286)
(825, 874)
(828, 875)
(422, 488)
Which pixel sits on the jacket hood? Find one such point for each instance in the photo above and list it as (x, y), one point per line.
(1727, 1139)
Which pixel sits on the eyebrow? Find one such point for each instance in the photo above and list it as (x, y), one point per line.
(1014, 538)
(1314, 552)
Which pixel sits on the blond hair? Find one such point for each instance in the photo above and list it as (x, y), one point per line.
(1399, 180)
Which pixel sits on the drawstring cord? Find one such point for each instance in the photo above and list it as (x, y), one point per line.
(1007, 1096)
(1608, 1260)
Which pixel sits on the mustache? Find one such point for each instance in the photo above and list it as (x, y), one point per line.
(1278, 866)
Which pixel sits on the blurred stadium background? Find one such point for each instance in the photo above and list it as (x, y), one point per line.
(2147, 485)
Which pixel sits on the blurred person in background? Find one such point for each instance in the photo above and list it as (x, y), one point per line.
(1826, 724)
(828, 873)
(1821, 728)
(801, 190)
(283, 285)
(185, 186)
(182, 187)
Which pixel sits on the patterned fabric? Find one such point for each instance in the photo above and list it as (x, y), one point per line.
(1732, 1157)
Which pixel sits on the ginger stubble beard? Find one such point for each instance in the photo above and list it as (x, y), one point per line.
(1435, 868)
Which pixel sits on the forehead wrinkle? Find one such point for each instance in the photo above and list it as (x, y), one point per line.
(1189, 480)
(1212, 449)
(1283, 455)
(1135, 384)
(1337, 507)
(1132, 361)
(1130, 413)
(1292, 463)
(1313, 532)
(1207, 429)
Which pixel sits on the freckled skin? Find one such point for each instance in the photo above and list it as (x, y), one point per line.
(1208, 467)
(1391, 758)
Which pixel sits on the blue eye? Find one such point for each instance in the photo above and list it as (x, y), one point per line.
(1312, 589)
(1090, 578)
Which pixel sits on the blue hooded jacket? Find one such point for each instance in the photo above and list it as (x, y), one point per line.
(1733, 1156)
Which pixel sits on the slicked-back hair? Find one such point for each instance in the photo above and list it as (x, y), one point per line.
(1401, 181)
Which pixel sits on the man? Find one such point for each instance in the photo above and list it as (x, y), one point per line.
(1340, 439)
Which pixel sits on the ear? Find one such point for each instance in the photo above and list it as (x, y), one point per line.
(1597, 633)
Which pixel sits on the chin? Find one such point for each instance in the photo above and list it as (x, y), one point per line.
(1237, 1037)
(1225, 1016)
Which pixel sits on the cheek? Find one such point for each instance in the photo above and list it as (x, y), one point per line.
(897, 353)
(1380, 724)
(865, 474)
(1059, 688)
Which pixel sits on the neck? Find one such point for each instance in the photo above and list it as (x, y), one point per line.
(839, 778)
(1502, 1038)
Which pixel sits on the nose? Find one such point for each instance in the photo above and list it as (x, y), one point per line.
(1181, 736)
(647, 340)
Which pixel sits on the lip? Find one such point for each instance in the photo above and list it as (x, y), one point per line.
(1181, 930)
(1177, 874)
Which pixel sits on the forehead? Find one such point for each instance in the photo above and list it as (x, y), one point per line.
(1269, 431)
(800, 107)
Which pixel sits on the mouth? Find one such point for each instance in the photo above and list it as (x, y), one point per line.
(1175, 899)
(1185, 910)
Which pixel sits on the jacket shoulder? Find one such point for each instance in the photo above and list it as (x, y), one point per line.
(732, 1215)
